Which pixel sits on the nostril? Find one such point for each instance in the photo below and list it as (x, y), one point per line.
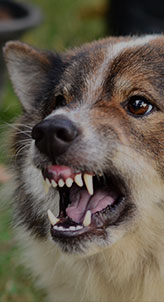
(53, 136)
(66, 134)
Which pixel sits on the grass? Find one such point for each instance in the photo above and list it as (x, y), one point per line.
(66, 24)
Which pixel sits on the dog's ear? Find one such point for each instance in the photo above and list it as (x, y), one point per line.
(28, 69)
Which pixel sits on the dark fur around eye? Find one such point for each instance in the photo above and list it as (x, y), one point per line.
(60, 101)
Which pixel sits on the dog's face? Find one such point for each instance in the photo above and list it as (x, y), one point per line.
(92, 130)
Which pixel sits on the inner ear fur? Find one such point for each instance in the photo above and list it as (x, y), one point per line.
(28, 69)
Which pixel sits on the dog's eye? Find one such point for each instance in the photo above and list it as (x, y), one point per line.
(60, 101)
(139, 106)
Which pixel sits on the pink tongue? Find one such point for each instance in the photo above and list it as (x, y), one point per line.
(81, 201)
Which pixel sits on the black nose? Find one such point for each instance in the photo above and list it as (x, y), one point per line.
(54, 135)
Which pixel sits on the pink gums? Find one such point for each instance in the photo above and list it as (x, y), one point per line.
(57, 172)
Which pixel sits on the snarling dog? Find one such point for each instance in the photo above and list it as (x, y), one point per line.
(89, 151)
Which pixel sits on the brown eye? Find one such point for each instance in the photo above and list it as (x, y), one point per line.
(139, 106)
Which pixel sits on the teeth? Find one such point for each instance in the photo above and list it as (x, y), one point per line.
(78, 180)
(53, 183)
(47, 185)
(61, 183)
(71, 228)
(87, 219)
(48, 182)
(79, 227)
(69, 182)
(60, 228)
(53, 220)
(88, 179)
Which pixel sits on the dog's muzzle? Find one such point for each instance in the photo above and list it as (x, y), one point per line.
(53, 136)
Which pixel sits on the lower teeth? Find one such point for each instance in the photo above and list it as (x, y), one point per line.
(53, 220)
(71, 228)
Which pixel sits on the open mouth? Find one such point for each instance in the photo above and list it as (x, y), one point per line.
(88, 202)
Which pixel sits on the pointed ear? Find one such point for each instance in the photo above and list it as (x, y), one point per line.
(28, 69)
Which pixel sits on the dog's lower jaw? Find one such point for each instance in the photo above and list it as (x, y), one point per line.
(107, 208)
(121, 269)
(122, 272)
(124, 268)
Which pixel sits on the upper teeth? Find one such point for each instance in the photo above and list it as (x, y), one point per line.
(61, 183)
(69, 182)
(88, 180)
(78, 180)
(46, 185)
(53, 182)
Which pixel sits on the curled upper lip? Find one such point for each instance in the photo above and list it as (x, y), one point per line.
(58, 176)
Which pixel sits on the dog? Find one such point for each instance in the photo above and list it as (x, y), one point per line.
(88, 159)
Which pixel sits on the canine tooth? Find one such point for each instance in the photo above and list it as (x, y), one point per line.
(88, 179)
(69, 182)
(46, 185)
(54, 184)
(87, 219)
(53, 220)
(61, 183)
(78, 180)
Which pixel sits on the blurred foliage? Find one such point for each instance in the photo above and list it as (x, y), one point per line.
(66, 23)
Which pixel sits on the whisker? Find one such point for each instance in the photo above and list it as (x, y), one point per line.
(23, 142)
(28, 134)
(24, 125)
(17, 127)
(21, 149)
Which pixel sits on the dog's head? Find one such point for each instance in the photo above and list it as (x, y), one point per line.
(92, 129)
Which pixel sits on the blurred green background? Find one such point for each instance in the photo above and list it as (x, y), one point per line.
(66, 23)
